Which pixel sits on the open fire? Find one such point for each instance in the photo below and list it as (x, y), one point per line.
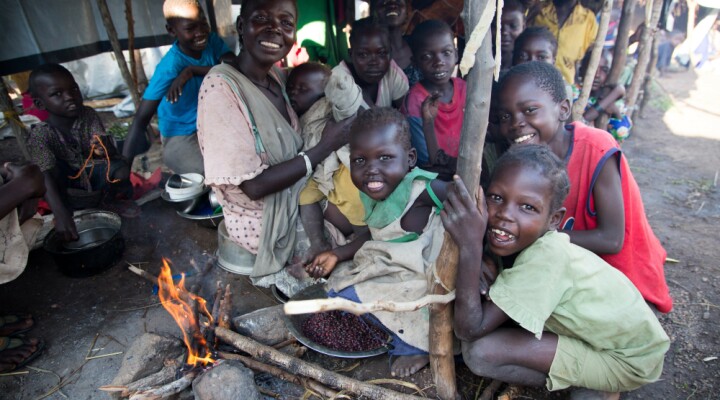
(185, 307)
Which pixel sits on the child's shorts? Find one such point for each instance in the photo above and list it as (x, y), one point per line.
(344, 195)
(578, 364)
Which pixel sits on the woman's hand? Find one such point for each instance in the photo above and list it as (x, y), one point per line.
(322, 265)
(464, 220)
(336, 133)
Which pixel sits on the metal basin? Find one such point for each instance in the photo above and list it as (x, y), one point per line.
(232, 257)
(99, 246)
(294, 324)
(186, 205)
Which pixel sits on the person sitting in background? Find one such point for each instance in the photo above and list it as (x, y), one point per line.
(174, 87)
(71, 146)
(605, 99)
(21, 186)
(435, 106)
(512, 24)
(574, 27)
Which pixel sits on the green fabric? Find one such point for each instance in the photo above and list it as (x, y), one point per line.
(320, 31)
(379, 214)
(562, 288)
(438, 204)
(404, 239)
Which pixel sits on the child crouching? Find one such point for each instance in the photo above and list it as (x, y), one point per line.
(580, 322)
(71, 146)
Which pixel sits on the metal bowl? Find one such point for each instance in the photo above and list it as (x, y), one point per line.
(186, 205)
(294, 324)
(100, 244)
(231, 256)
(207, 221)
(184, 186)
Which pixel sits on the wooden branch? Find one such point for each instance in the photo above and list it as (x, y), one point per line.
(649, 78)
(619, 53)
(166, 390)
(278, 372)
(225, 309)
(579, 107)
(144, 274)
(131, 41)
(166, 374)
(644, 49)
(117, 50)
(477, 111)
(337, 303)
(296, 366)
(488, 393)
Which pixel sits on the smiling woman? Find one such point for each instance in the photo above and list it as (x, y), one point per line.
(248, 134)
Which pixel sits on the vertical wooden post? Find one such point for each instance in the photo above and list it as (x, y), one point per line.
(131, 41)
(18, 129)
(477, 110)
(649, 78)
(117, 49)
(581, 102)
(644, 50)
(619, 52)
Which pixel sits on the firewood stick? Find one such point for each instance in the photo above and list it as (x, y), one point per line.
(285, 343)
(225, 309)
(296, 366)
(279, 373)
(489, 391)
(144, 274)
(166, 390)
(216, 302)
(319, 305)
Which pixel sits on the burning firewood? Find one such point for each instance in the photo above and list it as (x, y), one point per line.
(296, 366)
(225, 309)
(165, 375)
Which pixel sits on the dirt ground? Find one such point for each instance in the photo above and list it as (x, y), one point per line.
(675, 157)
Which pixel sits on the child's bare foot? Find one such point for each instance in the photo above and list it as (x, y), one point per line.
(590, 394)
(405, 366)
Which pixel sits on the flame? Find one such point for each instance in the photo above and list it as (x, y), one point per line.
(178, 301)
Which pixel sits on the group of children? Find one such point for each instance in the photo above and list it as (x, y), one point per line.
(566, 249)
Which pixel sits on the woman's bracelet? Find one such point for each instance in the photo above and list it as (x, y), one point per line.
(308, 164)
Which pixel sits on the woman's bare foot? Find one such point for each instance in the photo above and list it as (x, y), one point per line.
(590, 394)
(405, 366)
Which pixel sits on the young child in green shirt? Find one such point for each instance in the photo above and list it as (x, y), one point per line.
(580, 322)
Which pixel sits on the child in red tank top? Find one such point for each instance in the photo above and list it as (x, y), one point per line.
(533, 109)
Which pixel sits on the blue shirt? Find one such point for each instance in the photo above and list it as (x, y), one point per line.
(180, 118)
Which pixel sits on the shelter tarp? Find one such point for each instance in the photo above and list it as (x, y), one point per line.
(34, 32)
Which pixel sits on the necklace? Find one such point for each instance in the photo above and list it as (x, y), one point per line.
(266, 87)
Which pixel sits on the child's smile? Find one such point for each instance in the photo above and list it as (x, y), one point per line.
(379, 161)
(528, 114)
(519, 209)
(391, 12)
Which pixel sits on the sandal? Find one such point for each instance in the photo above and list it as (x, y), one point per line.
(15, 324)
(17, 352)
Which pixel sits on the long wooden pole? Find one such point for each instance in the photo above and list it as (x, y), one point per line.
(131, 41)
(581, 102)
(117, 49)
(477, 110)
(619, 52)
(297, 366)
(644, 50)
(649, 78)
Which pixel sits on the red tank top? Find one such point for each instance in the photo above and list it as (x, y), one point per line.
(642, 256)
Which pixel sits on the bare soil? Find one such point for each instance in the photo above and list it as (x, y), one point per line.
(674, 155)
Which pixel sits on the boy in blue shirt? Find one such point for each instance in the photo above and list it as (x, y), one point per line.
(174, 87)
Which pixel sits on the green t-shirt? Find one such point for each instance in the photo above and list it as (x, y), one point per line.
(559, 287)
